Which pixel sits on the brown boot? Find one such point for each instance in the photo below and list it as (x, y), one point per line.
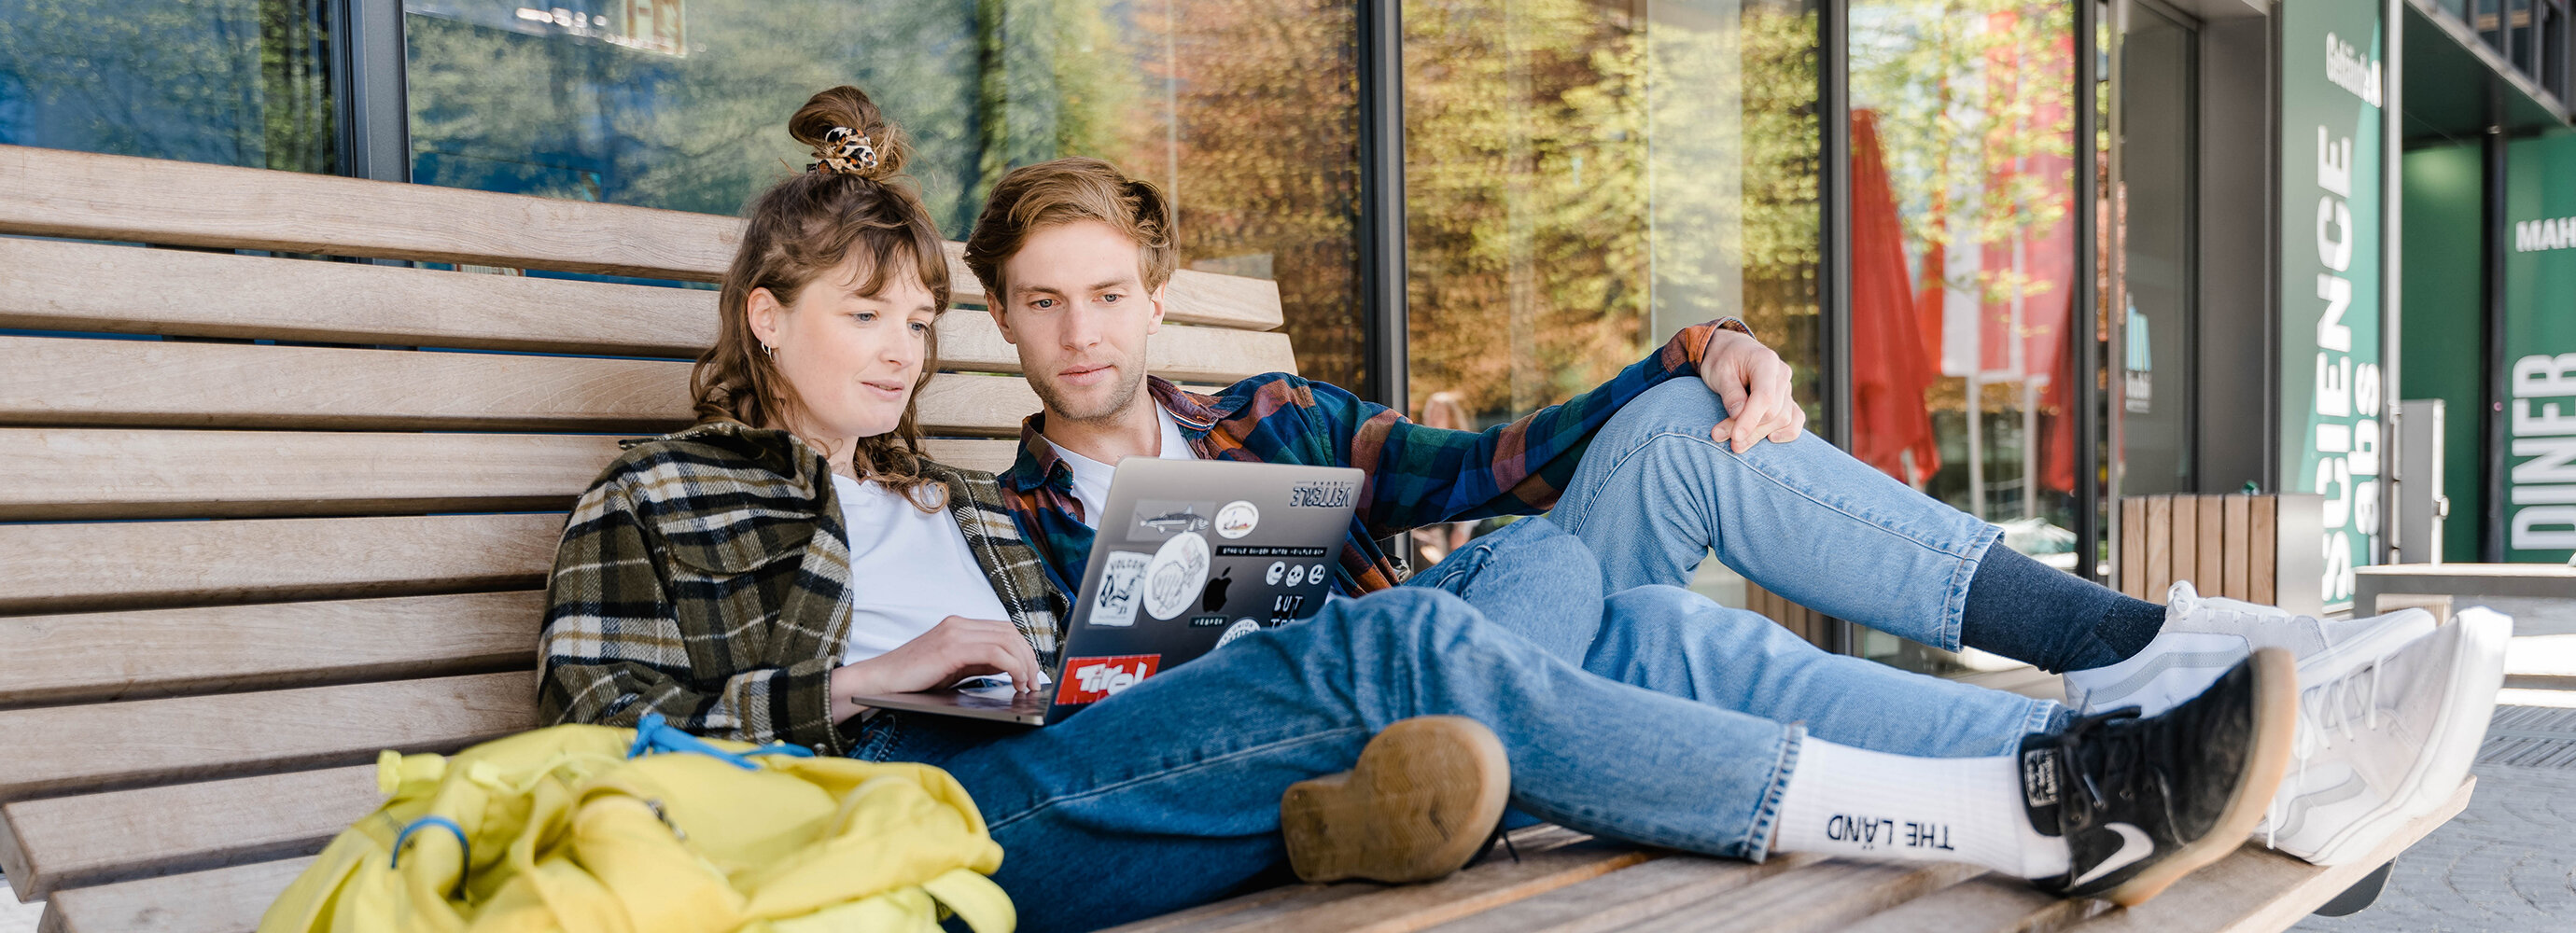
(1423, 799)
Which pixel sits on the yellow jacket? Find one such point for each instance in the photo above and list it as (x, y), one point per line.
(568, 829)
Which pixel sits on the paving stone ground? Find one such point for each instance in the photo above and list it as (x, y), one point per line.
(16, 917)
(2504, 864)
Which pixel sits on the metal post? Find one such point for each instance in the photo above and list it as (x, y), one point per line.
(1381, 220)
(1833, 221)
(2391, 331)
(2087, 396)
(2492, 320)
(375, 116)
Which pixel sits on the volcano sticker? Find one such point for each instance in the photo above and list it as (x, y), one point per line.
(1179, 570)
(1120, 584)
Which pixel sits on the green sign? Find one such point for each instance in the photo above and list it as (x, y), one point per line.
(2331, 97)
(2540, 351)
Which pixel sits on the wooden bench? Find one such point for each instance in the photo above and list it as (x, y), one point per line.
(313, 521)
(2259, 548)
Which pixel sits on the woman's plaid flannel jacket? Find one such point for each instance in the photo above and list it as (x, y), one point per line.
(706, 576)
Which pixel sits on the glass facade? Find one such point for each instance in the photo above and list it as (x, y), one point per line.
(682, 104)
(1964, 257)
(233, 82)
(1582, 180)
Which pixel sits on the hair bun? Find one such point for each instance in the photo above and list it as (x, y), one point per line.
(872, 147)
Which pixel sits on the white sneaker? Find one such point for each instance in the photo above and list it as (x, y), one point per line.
(2385, 737)
(2204, 636)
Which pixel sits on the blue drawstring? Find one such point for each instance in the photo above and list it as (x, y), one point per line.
(448, 825)
(653, 734)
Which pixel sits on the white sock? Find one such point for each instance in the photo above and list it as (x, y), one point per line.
(1855, 803)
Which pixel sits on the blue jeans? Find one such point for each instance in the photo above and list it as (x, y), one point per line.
(1167, 794)
(1675, 642)
(1655, 494)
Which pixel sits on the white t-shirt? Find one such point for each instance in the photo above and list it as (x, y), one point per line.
(1091, 477)
(908, 570)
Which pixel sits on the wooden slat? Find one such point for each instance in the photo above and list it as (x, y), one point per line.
(2185, 560)
(183, 293)
(1408, 908)
(70, 381)
(1193, 297)
(1262, 907)
(119, 835)
(970, 343)
(101, 656)
(1622, 897)
(2239, 568)
(2159, 568)
(248, 298)
(155, 741)
(2133, 546)
(2211, 517)
(1984, 904)
(225, 900)
(104, 197)
(990, 456)
(71, 473)
(2263, 548)
(133, 565)
(2259, 891)
(82, 382)
(1819, 897)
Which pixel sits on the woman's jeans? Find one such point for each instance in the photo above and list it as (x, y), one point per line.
(1167, 795)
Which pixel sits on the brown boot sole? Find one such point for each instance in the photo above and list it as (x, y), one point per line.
(2276, 721)
(1422, 800)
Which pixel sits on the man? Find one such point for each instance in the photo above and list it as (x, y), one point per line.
(1652, 470)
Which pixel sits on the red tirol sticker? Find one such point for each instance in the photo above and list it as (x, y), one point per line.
(1091, 680)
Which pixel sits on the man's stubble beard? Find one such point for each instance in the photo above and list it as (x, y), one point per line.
(1059, 407)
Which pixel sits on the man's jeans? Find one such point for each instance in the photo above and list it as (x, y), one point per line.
(1676, 642)
(1167, 794)
(1654, 494)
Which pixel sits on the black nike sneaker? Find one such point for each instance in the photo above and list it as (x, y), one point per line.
(2143, 801)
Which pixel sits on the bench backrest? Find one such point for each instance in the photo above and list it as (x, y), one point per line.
(367, 466)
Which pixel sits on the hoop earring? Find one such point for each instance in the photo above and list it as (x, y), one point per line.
(771, 351)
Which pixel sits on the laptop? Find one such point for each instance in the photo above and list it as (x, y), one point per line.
(1190, 554)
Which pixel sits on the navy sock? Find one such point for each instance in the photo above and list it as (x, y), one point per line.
(2028, 611)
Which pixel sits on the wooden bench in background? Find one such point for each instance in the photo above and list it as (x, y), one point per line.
(2258, 548)
(309, 516)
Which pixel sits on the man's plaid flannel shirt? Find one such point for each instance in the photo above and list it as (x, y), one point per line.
(1416, 475)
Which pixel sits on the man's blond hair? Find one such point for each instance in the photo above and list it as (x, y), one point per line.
(1052, 194)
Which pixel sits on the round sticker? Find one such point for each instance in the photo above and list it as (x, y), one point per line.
(1179, 570)
(1278, 569)
(1240, 628)
(1316, 574)
(1237, 519)
(1296, 576)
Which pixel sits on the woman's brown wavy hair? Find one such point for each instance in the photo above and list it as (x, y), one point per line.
(805, 226)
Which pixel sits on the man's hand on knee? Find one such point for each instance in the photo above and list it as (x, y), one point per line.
(1753, 383)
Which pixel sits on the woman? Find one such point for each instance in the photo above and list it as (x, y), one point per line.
(748, 576)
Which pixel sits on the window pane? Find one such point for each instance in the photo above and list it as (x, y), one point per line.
(233, 82)
(1583, 179)
(1243, 110)
(1963, 263)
